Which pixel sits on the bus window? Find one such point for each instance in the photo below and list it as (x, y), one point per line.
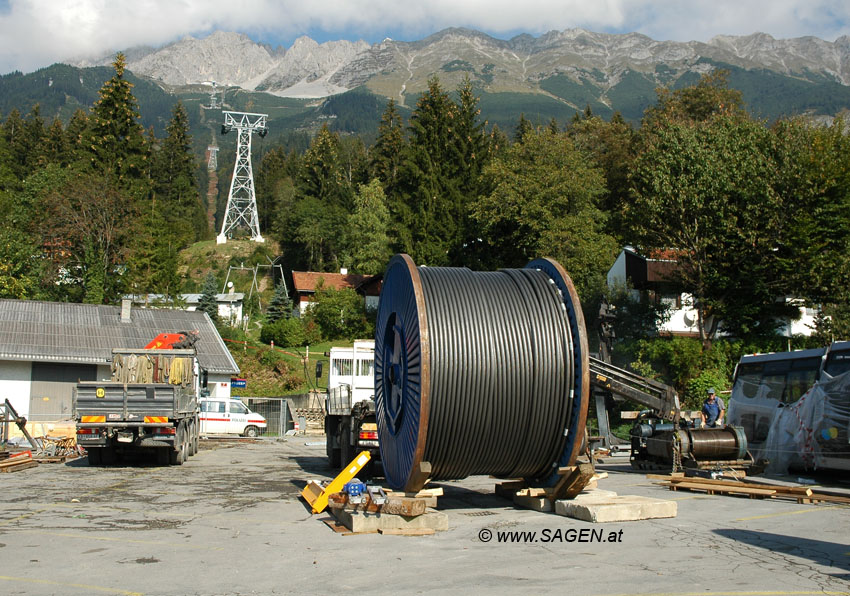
(837, 363)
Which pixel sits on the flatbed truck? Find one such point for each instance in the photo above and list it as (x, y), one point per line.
(150, 404)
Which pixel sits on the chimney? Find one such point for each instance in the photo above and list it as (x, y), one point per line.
(126, 306)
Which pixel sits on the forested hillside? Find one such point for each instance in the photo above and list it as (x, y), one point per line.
(99, 207)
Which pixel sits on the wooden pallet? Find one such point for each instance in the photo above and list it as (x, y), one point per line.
(17, 463)
(801, 494)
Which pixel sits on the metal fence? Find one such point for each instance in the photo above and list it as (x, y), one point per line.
(275, 410)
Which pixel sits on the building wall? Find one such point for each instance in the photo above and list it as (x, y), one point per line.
(230, 312)
(805, 325)
(617, 272)
(15, 383)
(219, 385)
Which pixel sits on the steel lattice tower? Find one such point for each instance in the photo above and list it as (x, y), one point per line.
(241, 200)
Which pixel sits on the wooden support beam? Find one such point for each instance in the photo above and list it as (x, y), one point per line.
(573, 483)
(406, 506)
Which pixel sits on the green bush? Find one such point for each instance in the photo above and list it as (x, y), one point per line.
(232, 333)
(312, 333)
(340, 314)
(285, 333)
(698, 386)
(271, 358)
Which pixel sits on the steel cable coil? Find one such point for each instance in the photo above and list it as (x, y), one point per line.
(478, 372)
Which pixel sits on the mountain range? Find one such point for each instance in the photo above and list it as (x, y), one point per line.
(595, 62)
(347, 84)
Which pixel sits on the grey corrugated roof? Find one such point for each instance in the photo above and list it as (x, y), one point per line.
(66, 332)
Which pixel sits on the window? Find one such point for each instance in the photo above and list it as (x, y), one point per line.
(366, 368)
(213, 406)
(837, 363)
(342, 367)
(785, 380)
(672, 301)
(238, 408)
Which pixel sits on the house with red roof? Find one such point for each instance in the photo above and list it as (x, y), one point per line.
(305, 284)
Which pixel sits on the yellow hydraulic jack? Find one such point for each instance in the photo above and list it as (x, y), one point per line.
(317, 495)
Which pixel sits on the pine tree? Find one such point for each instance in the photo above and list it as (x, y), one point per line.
(13, 134)
(498, 142)
(430, 182)
(523, 128)
(280, 306)
(385, 162)
(321, 176)
(470, 143)
(325, 201)
(273, 169)
(75, 135)
(385, 154)
(116, 138)
(175, 185)
(33, 140)
(56, 148)
(208, 302)
(369, 243)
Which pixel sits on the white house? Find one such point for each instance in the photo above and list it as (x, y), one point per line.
(229, 305)
(649, 277)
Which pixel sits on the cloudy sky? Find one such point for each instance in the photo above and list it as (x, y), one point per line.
(37, 33)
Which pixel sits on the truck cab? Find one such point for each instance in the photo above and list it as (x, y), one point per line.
(226, 416)
(350, 424)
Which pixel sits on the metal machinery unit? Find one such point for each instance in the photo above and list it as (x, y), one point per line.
(479, 372)
(661, 438)
(150, 403)
(350, 425)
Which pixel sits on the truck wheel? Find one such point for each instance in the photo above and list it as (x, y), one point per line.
(334, 456)
(251, 431)
(163, 456)
(190, 440)
(178, 455)
(94, 455)
(332, 445)
(346, 449)
(107, 456)
(196, 435)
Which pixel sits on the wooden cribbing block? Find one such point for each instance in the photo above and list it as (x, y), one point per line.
(17, 467)
(406, 506)
(509, 488)
(573, 482)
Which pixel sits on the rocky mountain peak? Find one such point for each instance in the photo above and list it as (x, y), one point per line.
(311, 69)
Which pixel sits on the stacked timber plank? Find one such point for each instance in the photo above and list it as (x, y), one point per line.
(753, 490)
(406, 514)
(15, 462)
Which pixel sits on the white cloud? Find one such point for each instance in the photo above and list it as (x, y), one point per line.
(36, 33)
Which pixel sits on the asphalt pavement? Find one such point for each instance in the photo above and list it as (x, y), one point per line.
(230, 522)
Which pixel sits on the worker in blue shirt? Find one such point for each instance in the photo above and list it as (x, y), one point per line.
(712, 410)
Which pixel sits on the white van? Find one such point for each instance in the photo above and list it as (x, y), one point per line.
(225, 416)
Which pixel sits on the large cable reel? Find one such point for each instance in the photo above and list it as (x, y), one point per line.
(479, 372)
